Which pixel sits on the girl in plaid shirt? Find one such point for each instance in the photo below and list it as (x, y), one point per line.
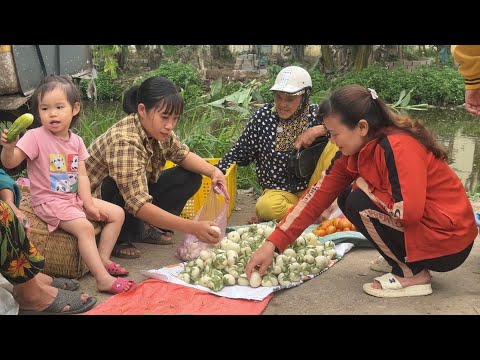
(126, 167)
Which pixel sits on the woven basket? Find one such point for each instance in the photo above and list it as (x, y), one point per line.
(60, 249)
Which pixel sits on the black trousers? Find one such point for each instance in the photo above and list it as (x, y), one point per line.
(389, 241)
(170, 193)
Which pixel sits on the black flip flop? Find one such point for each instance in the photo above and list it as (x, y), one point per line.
(122, 246)
(157, 236)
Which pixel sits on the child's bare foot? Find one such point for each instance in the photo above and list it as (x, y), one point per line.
(422, 278)
(114, 269)
(116, 285)
(113, 284)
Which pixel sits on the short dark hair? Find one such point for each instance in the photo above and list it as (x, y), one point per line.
(51, 82)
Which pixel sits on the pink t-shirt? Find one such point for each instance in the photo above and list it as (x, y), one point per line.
(52, 164)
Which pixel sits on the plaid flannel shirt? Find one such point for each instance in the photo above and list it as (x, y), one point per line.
(126, 154)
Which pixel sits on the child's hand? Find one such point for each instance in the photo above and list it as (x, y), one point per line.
(103, 215)
(6, 144)
(93, 213)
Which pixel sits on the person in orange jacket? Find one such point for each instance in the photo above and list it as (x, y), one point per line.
(405, 198)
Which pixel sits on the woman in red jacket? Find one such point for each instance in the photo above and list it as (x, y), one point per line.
(404, 197)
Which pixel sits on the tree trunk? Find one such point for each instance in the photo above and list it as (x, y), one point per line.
(122, 57)
(424, 50)
(342, 57)
(298, 52)
(201, 60)
(327, 59)
(155, 56)
(140, 48)
(362, 53)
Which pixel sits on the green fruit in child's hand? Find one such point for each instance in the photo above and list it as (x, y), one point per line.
(19, 125)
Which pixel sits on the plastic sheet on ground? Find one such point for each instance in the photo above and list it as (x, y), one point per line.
(8, 305)
(170, 274)
(156, 297)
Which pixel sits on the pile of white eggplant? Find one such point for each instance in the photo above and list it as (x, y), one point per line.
(224, 264)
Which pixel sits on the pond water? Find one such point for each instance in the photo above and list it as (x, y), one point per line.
(455, 129)
(459, 133)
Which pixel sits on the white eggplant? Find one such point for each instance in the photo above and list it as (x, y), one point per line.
(233, 236)
(228, 280)
(243, 280)
(255, 279)
(184, 277)
(204, 255)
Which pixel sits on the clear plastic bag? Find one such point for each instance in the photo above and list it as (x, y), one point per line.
(214, 209)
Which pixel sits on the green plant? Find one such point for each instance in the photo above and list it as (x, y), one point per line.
(438, 86)
(318, 96)
(403, 103)
(107, 88)
(475, 194)
(238, 101)
(273, 70)
(319, 82)
(247, 178)
(184, 76)
(105, 57)
(266, 95)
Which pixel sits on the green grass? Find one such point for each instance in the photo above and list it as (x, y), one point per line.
(95, 119)
(475, 194)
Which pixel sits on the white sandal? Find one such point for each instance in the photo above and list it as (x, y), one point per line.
(380, 264)
(391, 287)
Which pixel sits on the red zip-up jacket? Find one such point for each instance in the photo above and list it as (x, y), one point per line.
(420, 192)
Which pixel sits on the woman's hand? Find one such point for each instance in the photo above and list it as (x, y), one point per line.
(218, 179)
(262, 258)
(22, 219)
(204, 232)
(306, 138)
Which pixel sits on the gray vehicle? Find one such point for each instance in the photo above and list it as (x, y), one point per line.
(23, 66)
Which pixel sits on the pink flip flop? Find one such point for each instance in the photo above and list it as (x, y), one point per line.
(119, 285)
(115, 269)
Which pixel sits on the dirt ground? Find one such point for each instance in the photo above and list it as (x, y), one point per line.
(337, 291)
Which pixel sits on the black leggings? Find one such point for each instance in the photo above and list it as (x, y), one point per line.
(391, 242)
(170, 193)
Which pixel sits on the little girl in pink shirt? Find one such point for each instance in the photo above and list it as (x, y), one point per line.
(60, 188)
